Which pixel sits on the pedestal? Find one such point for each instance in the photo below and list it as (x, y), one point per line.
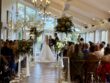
(19, 66)
(27, 65)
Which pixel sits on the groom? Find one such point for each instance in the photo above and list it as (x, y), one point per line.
(51, 41)
(55, 43)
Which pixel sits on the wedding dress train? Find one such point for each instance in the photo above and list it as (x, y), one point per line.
(46, 54)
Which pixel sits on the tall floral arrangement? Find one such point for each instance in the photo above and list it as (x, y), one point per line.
(35, 32)
(64, 25)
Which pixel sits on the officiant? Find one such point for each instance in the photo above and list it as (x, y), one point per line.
(56, 38)
(51, 42)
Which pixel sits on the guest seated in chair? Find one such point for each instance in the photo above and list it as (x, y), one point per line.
(104, 69)
(8, 56)
(91, 64)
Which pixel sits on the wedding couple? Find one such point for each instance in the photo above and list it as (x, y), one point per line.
(46, 54)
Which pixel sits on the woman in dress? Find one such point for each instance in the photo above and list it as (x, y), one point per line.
(46, 54)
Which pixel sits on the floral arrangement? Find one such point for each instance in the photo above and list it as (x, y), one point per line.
(59, 46)
(24, 46)
(34, 31)
(64, 24)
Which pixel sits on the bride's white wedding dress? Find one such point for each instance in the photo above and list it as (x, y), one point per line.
(46, 54)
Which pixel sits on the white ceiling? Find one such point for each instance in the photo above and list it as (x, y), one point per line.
(83, 12)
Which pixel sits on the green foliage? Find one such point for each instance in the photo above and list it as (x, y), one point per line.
(64, 24)
(59, 46)
(24, 46)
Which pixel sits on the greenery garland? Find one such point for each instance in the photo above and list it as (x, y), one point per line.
(64, 24)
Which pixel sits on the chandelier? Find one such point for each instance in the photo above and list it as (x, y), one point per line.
(41, 4)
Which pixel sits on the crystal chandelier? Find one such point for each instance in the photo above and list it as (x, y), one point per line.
(41, 4)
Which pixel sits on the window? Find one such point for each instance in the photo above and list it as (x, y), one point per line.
(30, 14)
(83, 36)
(90, 37)
(104, 36)
(97, 36)
(20, 11)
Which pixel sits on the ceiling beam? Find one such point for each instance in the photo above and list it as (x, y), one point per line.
(75, 21)
(99, 4)
(56, 5)
(55, 12)
(88, 10)
(80, 17)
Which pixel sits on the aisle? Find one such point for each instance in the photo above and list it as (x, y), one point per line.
(43, 73)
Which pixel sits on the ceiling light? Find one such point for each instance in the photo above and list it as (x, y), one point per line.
(93, 19)
(105, 21)
(109, 11)
(41, 4)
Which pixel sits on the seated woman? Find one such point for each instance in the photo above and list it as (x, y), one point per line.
(91, 64)
(107, 49)
(97, 51)
(104, 67)
(76, 63)
(86, 50)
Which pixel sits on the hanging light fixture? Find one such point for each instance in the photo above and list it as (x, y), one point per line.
(41, 4)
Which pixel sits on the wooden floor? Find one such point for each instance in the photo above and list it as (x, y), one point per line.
(43, 73)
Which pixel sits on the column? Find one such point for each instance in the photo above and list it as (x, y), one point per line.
(109, 36)
(0, 23)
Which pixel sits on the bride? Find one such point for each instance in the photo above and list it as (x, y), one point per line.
(46, 54)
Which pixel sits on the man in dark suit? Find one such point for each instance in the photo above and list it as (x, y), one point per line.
(51, 41)
(55, 44)
(56, 39)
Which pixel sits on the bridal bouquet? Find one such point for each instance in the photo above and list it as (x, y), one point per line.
(59, 46)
